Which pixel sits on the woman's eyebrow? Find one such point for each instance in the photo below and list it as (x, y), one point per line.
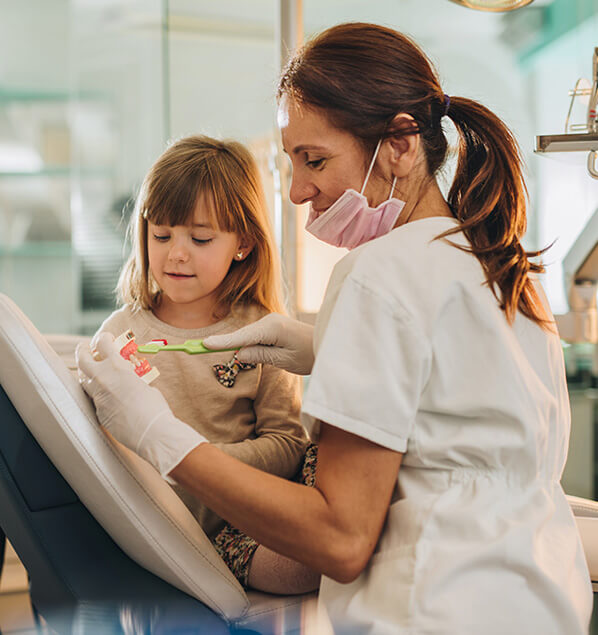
(307, 148)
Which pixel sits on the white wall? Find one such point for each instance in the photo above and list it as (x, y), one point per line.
(34, 44)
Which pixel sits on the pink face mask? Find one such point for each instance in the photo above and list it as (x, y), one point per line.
(350, 221)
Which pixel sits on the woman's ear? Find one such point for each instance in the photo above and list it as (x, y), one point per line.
(403, 146)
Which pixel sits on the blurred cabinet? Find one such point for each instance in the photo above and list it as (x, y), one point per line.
(35, 235)
(580, 477)
(46, 265)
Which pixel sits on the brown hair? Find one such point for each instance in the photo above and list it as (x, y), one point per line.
(226, 172)
(361, 76)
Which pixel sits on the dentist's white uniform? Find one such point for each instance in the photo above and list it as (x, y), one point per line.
(414, 353)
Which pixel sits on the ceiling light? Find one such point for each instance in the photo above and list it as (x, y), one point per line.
(493, 5)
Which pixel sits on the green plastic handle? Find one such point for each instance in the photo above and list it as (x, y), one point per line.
(192, 347)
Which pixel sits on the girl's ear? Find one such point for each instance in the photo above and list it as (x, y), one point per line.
(404, 148)
(244, 248)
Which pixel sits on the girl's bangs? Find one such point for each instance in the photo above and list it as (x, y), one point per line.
(170, 212)
(172, 201)
(213, 180)
(168, 216)
(176, 205)
(225, 208)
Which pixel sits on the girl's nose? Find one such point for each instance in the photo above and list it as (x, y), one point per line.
(301, 190)
(178, 252)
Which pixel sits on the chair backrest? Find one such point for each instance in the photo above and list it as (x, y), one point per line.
(80, 581)
(89, 477)
(586, 517)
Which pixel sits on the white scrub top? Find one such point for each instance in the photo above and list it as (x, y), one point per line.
(414, 354)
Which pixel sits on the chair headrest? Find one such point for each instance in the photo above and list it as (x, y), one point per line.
(125, 494)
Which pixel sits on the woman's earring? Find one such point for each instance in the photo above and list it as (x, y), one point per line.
(239, 255)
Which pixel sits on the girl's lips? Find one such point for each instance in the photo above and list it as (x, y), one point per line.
(179, 276)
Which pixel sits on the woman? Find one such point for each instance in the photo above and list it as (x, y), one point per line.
(438, 393)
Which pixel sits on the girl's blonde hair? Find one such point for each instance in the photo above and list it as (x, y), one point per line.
(225, 173)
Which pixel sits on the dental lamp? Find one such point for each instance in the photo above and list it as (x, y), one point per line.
(493, 5)
(580, 268)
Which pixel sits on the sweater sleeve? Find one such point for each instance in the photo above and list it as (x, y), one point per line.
(116, 323)
(280, 440)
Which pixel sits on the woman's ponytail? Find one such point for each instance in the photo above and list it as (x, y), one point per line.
(489, 198)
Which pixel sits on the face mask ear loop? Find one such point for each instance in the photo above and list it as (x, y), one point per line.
(367, 176)
(392, 187)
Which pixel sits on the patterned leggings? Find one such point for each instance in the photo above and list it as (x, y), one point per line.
(236, 548)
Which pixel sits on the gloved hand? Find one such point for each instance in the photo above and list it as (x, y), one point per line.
(134, 413)
(275, 339)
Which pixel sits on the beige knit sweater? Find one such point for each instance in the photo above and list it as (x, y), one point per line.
(255, 421)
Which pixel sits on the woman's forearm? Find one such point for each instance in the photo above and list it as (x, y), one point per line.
(287, 517)
(332, 528)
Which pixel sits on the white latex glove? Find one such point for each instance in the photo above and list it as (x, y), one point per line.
(275, 339)
(134, 413)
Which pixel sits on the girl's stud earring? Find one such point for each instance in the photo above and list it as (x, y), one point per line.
(239, 255)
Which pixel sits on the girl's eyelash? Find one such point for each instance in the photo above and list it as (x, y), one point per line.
(197, 241)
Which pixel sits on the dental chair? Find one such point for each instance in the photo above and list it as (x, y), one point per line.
(107, 544)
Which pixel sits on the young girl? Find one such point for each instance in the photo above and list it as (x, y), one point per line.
(203, 262)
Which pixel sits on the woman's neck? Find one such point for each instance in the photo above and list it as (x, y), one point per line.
(425, 203)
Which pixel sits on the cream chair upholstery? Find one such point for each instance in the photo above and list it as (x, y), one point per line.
(586, 517)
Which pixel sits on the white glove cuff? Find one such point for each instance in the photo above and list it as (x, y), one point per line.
(166, 442)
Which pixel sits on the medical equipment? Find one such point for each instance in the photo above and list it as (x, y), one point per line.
(108, 546)
(580, 265)
(580, 268)
(192, 347)
(578, 137)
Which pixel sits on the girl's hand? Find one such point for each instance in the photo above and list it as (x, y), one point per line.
(134, 413)
(275, 339)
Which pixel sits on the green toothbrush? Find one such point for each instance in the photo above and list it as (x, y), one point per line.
(193, 347)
